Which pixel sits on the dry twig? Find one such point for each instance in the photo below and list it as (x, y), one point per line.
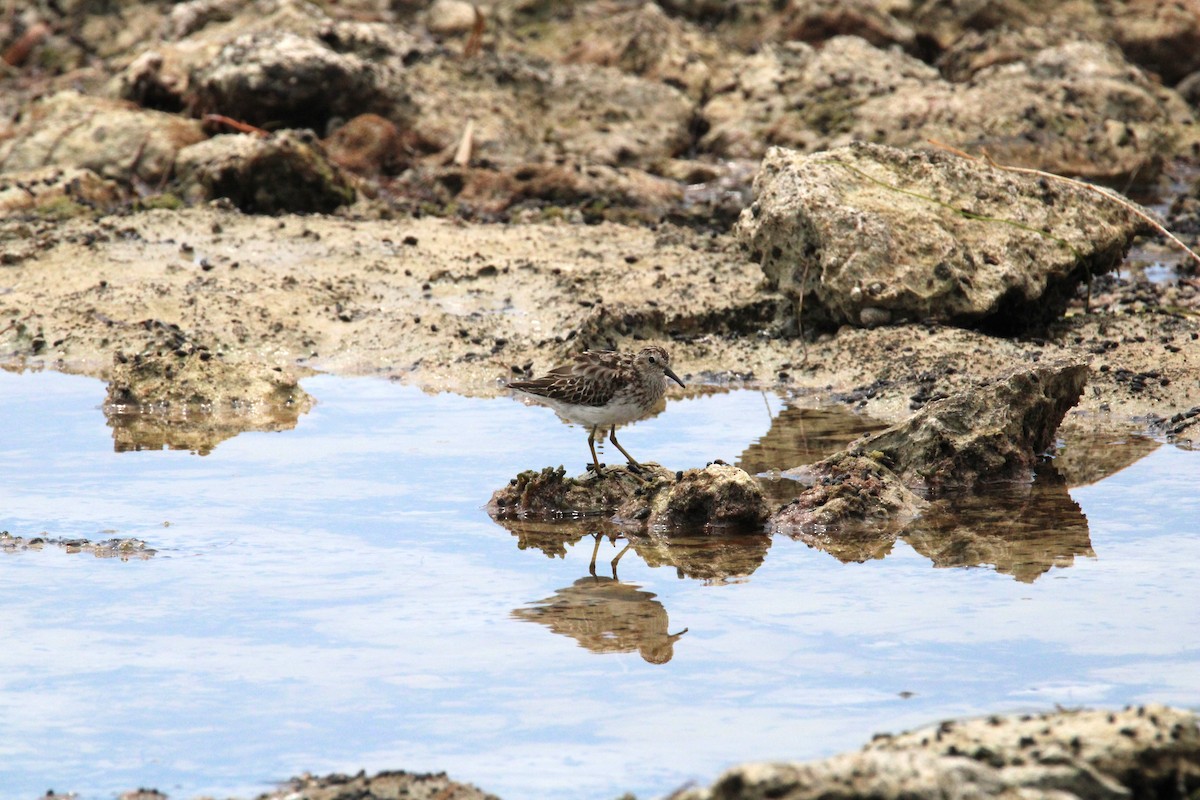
(18, 52)
(475, 40)
(240, 127)
(1090, 187)
(462, 156)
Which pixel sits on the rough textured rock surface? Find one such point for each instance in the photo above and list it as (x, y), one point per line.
(976, 51)
(182, 394)
(601, 191)
(57, 191)
(794, 95)
(112, 138)
(993, 433)
(643, 41)
(1073, 108)
(628, 107)
(204, 60)
(637, 86)
(448, 306)
(285, 172)
(527, 110)
(368, 144)
(716, 497)
(286, 80)
(380, 786)
(996, 432)
(1147, 751)
(1161, 35)
(1143, 751)
(719, 495)
(844, 489)
(551, 494)
(867, 235)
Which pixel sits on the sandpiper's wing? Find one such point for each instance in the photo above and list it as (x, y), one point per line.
(586, 381)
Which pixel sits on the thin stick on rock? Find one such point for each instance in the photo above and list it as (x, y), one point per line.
(462, 156)
(1090, 187)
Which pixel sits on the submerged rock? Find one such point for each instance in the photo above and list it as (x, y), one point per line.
(718, 496)
(123, 549)
(869, 234)
(1147, 751)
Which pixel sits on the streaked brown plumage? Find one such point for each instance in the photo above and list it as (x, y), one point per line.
(603, 389)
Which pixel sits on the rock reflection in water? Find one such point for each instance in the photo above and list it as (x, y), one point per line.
(135, 429)
(712, 559)
(1090, 456)
(607, 616)
(801, 436)
(851, 545)
(554, 537)
(1021, 529)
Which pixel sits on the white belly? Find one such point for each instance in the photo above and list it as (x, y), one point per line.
(593, 416)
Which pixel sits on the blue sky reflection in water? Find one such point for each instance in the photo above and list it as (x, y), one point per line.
(334, 597)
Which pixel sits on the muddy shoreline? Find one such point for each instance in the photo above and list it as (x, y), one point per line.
(463, 308)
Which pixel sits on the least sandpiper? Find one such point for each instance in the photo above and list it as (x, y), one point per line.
(604, 389)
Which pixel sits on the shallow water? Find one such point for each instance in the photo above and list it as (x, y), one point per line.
(334, 597)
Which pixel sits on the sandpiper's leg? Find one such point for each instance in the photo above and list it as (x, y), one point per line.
(618, 558)
(592, 447)
(612, 437)
(595, 551)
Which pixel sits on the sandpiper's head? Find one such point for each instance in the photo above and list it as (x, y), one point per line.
(656, 360)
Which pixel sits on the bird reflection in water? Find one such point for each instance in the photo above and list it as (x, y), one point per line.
(607, 616)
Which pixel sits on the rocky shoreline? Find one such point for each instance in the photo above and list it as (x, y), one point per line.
(1140, 752)
(858, 202)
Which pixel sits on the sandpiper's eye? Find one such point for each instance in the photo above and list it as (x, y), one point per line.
(652, 359)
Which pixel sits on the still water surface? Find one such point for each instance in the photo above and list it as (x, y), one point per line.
(334, 597)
